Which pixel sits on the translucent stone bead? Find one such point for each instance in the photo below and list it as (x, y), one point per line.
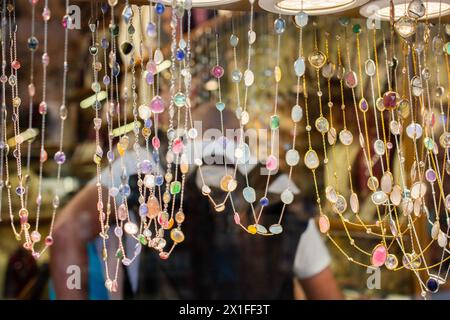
(251, 35)
(236, 76)
(311, 160)
(274, 122)
(33, 43)
(48, 241)
(299, 67)
(122, 212)
(271, 163)
(131, 228)
(177, 146)
(158, 56)
(177, 235)
(157, 105)
(328, 70)
(370, 68)
(175, 187)
(249, 78)
(301, 19)
(363, 105)
(264, 201)
(276, 229)
(351, 80)
(35, 236)
(46, 14)
(414, 130)
(416, 9)
(217, 72)
(324, 224)
(296, 113)
(60, 157)
(252, 229)
(317, 59)
(279, 25)
(159, 8)
(220, 106)
(287, 197)
(234, 40)
(249, 194)
(379, 255)
(43, 108)
(292, 157)
(405, 27)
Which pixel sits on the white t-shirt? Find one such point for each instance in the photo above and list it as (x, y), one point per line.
(311, 257)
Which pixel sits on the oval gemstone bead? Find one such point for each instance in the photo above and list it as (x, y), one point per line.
(271, 163)
(276, 228)
(287, 197)
(249, 194)
(292, 157)
(379, 255)
(299, 67)
(296, 113)
(324, 224)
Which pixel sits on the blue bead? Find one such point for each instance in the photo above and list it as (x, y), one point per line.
(148, 123)
(159, 180)
(432, 285)
(159, 8)
(124, 190)
(104, 43)
(143, 209)
(264, 201)
(180, 54)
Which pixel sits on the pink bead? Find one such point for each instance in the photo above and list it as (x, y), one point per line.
(43, 108)
(217, 72)
(45, 59)
(157, 105)
(151, 67)
(31, 90)
(48, 241)
(271, 163)
(33, 2)
(39, 200)
(24, 219)
(379, 256)
(177, 146)
(100, 205)
(15, 64)
(114, 286)
(237, 218)
(43, 155)
(35, 236)
(156, 143)
(36, 255)
(46, 14)
(164, 255)
(122, 212)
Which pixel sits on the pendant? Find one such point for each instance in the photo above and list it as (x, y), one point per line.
(317, 59)
(405, 27)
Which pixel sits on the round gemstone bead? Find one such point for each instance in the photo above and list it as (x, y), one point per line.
(249, 194)
(432, 285)
(159, 8)
(217, 71)
(60, 157)
(33, 43)
(264, 201)
(179, 99)
(48, 241)
(292, 157)
(180, 54)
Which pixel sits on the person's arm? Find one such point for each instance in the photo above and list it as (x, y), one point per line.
(312, 267)
(322, 286)
(76, 225)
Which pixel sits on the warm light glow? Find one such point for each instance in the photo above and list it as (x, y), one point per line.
(311, 7)
(203, 3)
(380, 9)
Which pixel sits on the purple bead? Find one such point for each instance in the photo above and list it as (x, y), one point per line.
(146, 166)
(151, 29)
(149, 78)
(148, 123)
(143, 209)
(20, 190)
(430, 174)
(60, 157)
(106, 80)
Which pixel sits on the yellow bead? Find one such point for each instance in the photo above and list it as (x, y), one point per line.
(251, 229)
(184, 168)
(277, 74)
(177, 235)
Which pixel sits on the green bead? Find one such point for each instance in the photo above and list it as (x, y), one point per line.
(119, 254)
(142, 239)
(179, 99)
(447, 48)
(175, 187)
(356, 28)
(114, 29)
(274, 122)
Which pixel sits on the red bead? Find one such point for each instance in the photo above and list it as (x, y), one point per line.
(15, 64)
(48, 241)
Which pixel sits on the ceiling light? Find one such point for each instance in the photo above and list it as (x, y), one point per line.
(202, 3)
(380, 9)
(311, 7)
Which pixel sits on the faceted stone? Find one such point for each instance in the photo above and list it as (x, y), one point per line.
(416, 9)
(274, 122)
(157, 105)
(363, 105)
(317, 59)
(287, 197)
(271, 163)
(311, 160)
(418, 190)
(405, 27)
(217, 72)
(387, 182)
(432, 284)
(234, 40)
(177, 146)
(390, 100)
(430, 175)
(60, 157)
(324, 224)
(279, 25)
(346, 137)
(395, 127)
(264, 201)
(379, 147)
(396, 195)
(175, 187)
(416, 86)
(330, 194)
(131, 228)
(126, 47)
(391, 262)
(220, 106)
(331, 136)
(322, 125)
(379, 198)
(249, 194)
(299, 67)
(328, 70)
(444, 140)
(428, 143)
(340, 205)
(379, 255)
(179, 99)
(177, 235)
(414, 130)
(276, 229)
(351, 79)
(236, 76)
(370, 68)
(296, 113)
(224, 182)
